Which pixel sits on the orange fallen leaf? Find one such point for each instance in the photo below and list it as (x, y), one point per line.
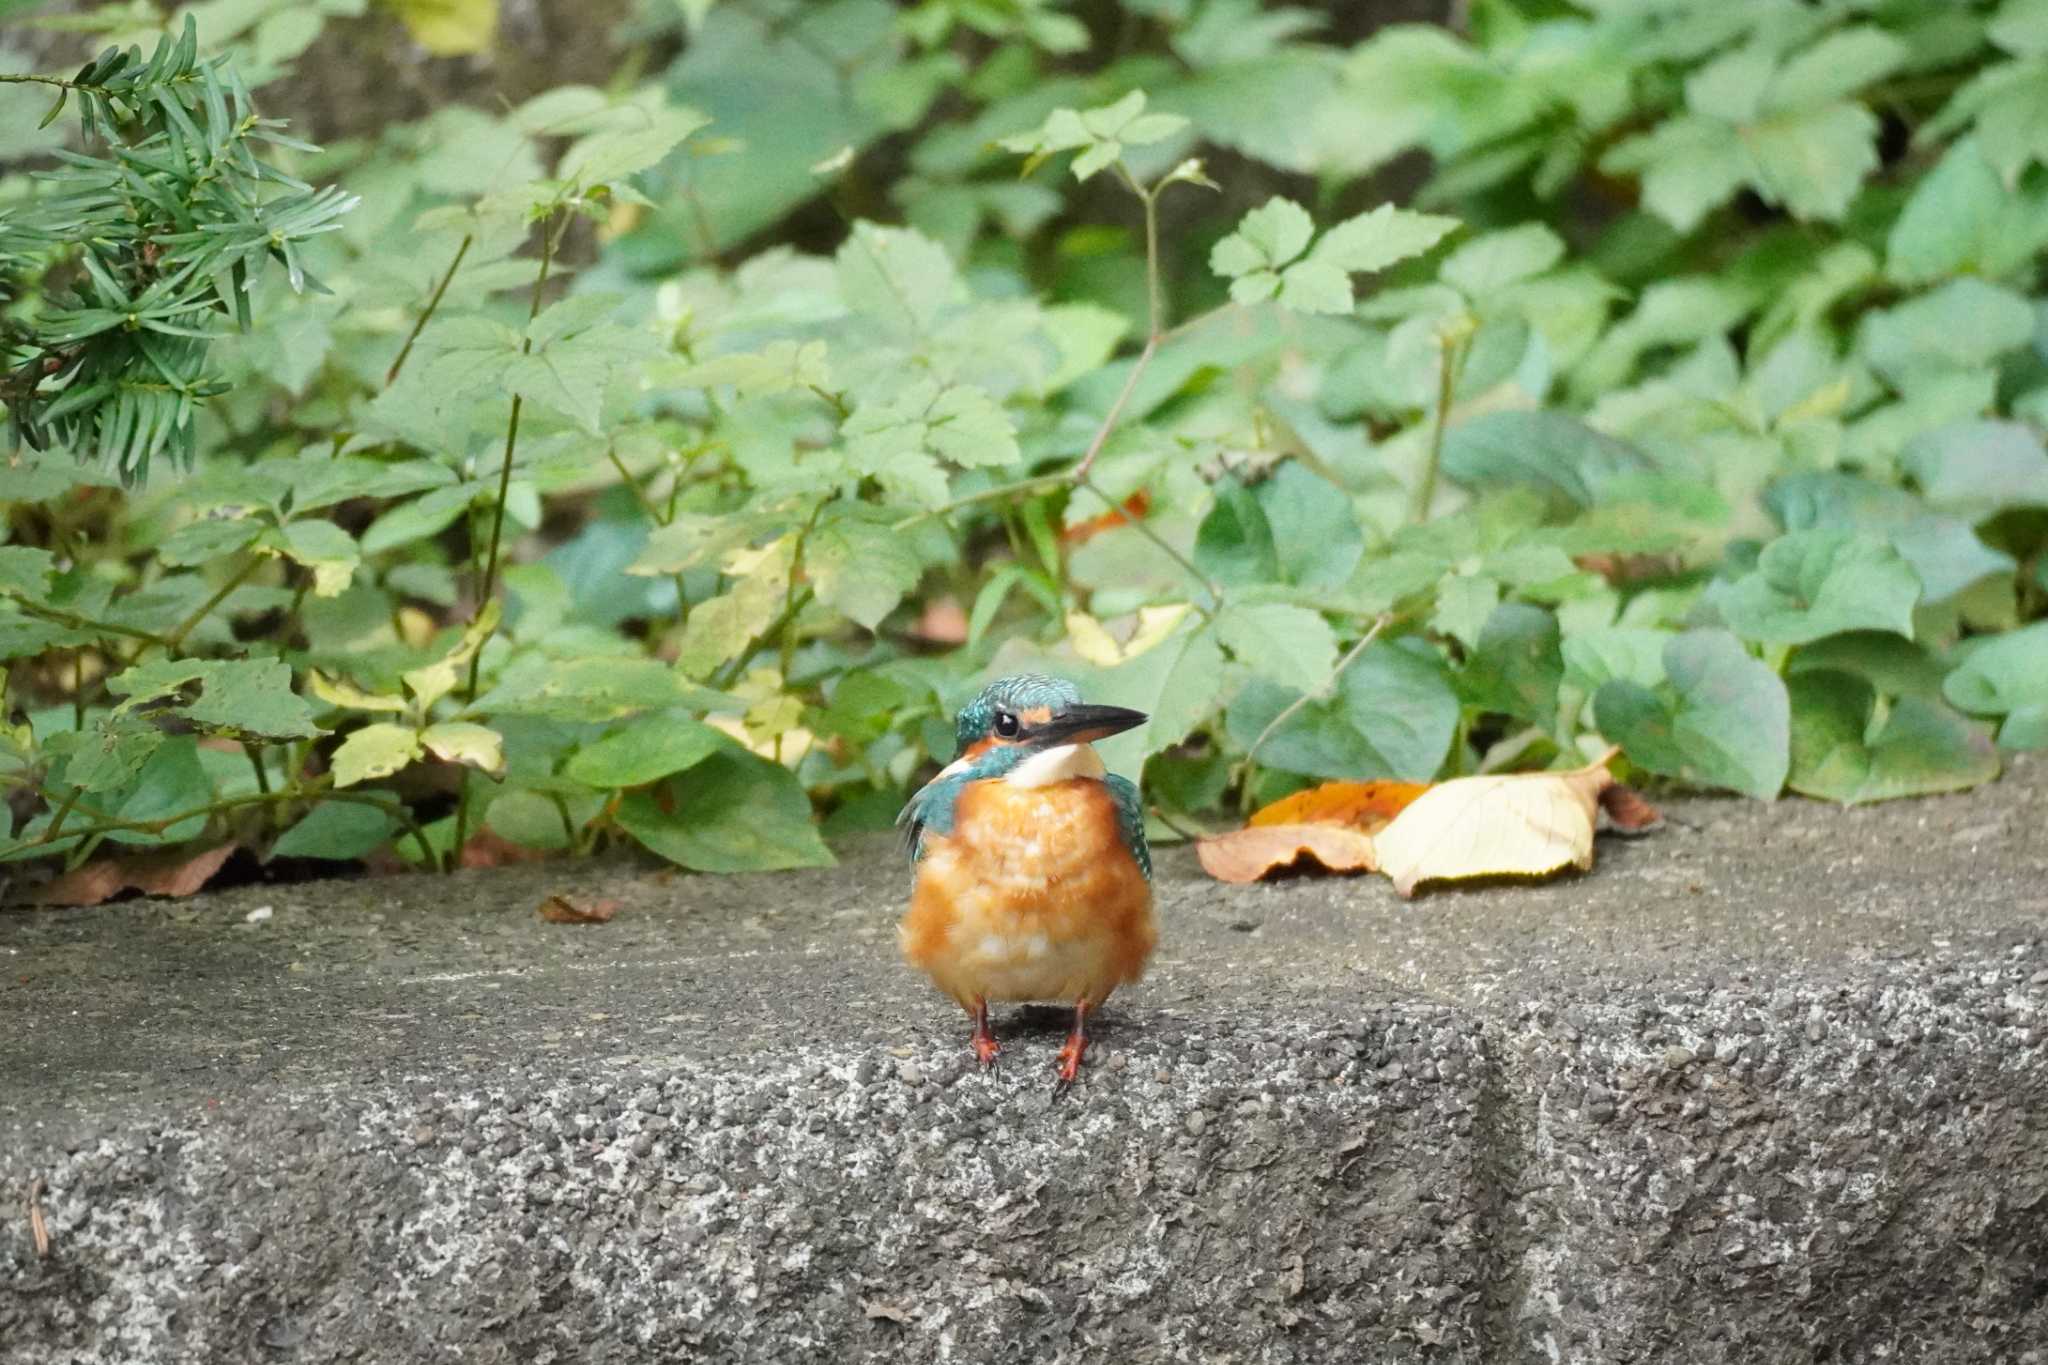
(569, 910)
(1361, 805)
(153, 874)
(1134, 507)
(1502, 825)
(1246, 855)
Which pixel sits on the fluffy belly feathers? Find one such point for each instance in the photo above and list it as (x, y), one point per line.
(1032, 897)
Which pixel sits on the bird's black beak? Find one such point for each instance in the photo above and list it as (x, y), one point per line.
(1082, 724)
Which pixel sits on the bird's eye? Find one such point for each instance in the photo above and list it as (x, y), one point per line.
(1006, 725)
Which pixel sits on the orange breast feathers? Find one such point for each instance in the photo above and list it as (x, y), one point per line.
(1032, 897)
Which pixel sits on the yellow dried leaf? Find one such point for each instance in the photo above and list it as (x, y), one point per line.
(1507, 825)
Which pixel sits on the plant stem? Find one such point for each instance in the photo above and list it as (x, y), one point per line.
(1288, 712)
(1213, 588)
(1036, 484)
(111, 824)
(77, 622)
(626, 477)
(447, 278)
(1452, 348)
(1116, 410)
(489, 585)
(242, 575)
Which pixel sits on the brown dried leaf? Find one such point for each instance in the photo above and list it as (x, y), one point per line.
(1628, 811)
(153, 874)
(561, 909)
(1246, 855)
(1504, 825)
(1362, 805)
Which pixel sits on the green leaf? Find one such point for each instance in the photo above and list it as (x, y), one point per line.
(1316, 537)
(172, 783)
(1544, 449)
(779, 367)
(339, 831)
(1920, 748)
(1690, 166)
(107, 754)
(1393, 716)
(1267, 238)
(418, 518)
(1313, 287)
(646, 750)
(25, 572)
(1814, 583)
(1962, 219)
(2007, 676)
(1723, 719)
(1813, 161)
(1379, 238)
(607, 157)
(2020, 27)
(1836, 67)
(528, 818)
(587, 690)
(901, 439)
(1499, 259)
(861, 567)
(719, 628)
(1234, 544)
(245, 697)
(1964, 325)
(1518, 665)
(320, 546)
(733, 812)
(1293, 646)
(374, 751)
(203, 541)
(1976, 469)
(570, 374)
(898, 276)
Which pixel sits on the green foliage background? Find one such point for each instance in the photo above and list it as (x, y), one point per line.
(664, 462)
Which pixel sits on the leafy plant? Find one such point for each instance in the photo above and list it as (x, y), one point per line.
(610, 497)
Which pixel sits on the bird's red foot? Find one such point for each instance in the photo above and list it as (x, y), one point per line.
(1069, 1066)
(985, 1047)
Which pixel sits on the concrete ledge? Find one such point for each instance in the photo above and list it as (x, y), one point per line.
(1769, 1086)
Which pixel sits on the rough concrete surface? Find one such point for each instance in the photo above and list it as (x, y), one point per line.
(1770, 1085)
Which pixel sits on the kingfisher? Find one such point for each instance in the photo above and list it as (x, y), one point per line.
(1033, 881)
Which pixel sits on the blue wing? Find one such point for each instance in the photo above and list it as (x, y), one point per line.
(1130, 818)
(931, 808)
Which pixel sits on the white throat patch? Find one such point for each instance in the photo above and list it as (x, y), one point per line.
(1057, 765)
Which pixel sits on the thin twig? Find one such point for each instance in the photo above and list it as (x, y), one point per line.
(109, 824)
(1210, 585)
(489, 587)
(1287, 712)
(77, 622)
(1452, 347)
(1116, 410)
(242, 575)
(447, 278)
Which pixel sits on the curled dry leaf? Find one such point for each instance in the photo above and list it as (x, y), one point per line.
(576, 910)
(1509, 825)
(1361, 805)
(1246, 855)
